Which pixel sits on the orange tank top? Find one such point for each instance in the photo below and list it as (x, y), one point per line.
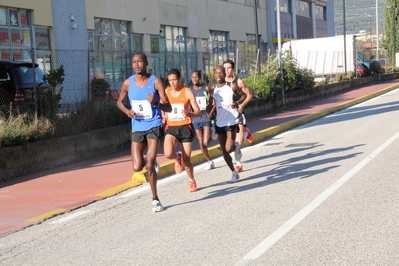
(179, 103)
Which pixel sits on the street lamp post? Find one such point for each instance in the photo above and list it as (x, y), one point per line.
(369, 22)
(377, 33)
(392, 6)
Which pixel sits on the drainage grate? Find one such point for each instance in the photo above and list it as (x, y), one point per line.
(301, 144)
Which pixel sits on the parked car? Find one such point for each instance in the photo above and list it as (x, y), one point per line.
(17, 83)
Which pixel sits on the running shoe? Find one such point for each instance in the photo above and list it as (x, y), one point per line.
(210, 165)
(237, 152)
(250, 137)
(213, 133)
(192, 186)
(156, 206)
(156, 166)
(234, 177)
(178, 166)
(239, 168)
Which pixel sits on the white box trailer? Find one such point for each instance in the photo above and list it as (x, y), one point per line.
(325, 56)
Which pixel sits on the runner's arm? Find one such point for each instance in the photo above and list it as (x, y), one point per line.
(122, 96)
(241, 84)
(163, 104)
(194, 105)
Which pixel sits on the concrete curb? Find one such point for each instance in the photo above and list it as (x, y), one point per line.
(167, 168)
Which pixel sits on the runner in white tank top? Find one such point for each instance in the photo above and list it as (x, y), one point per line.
(223, 97)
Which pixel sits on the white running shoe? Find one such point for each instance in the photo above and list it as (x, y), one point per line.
(234, 177)
(237, 152)
(157, 167)
(156, 206)
(213, 133)
(210, 165)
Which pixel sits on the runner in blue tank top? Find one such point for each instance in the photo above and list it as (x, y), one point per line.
(147, 98)
(202, 125)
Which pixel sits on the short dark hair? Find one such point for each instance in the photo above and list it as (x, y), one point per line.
(222, 67)
(198, 73)
(228, 61)
(174, 71)
(144, 56)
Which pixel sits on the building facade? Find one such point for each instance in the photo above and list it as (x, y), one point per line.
(97, 38)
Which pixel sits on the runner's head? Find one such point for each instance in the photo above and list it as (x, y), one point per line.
(139, 63)
(195, 78)
(174, 78)
(220, 75)
(229, 66)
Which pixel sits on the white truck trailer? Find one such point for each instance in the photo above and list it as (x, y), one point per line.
(325, 56)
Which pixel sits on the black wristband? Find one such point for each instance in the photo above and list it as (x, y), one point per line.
(156, 104)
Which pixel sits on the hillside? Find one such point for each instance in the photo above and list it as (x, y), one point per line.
(357, 16)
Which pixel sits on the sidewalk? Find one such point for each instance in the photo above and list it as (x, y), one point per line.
(28, 200)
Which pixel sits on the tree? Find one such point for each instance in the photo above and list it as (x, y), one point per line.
(390, 43)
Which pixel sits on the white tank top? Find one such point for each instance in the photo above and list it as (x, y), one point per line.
(225, 115)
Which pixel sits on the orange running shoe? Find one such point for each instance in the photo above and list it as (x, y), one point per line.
(239, 168)
(250, 138)
(192, 186)
(178, 166)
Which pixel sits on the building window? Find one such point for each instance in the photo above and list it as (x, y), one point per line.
(302, 8)
(219, 46)
(172, 49)
(320, 12)
(248, 52)
(137, 43)
(110, 42)
(15, 34)
(285, 6)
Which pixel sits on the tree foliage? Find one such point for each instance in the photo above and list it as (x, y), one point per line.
(268, 84)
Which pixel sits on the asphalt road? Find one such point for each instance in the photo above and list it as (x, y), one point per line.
(326, 193)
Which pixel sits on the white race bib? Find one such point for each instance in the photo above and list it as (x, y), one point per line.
(176, 114)
(201, 100)
(142, 109)
(226, 100)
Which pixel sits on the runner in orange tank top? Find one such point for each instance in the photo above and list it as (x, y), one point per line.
(178, 126)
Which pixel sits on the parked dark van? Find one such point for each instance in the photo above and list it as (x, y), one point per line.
(17, 83)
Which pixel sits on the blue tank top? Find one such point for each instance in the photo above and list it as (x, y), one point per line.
(147, 116)
(201, 96)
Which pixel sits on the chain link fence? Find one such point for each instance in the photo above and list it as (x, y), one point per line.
(17, 89)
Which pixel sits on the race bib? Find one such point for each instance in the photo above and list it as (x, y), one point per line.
(176, 114)
(226, 100)
(201, 100)
(142, 109)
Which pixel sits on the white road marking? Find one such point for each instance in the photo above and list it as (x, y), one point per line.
(70, 217)
(297, 218)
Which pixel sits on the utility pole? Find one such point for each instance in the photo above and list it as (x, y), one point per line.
(393, 7)
(343, 9)
(280, 60)
(257, 34)
(377, 33)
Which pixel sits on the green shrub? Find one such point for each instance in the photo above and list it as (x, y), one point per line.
(100, 86)
(268, 83)
(339, 77)
(262, 87)
(351, 75)
(49, 101)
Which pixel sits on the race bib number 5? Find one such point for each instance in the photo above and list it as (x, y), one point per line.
(142, 109)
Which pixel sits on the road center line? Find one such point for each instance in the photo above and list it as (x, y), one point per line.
(297, 218)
